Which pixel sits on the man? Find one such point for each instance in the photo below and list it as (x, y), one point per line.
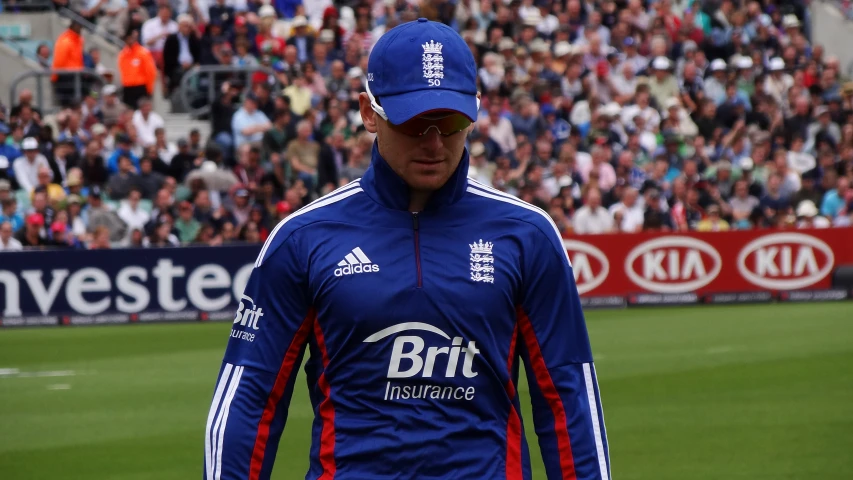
(181, 51)
(146, 122)
(8, 243)
(592, 217)
(421, 375)
(248, 123)
(137, 69)
(26, 167)
(155, 31)
(68, 55)
(303, 153)
(31, 235)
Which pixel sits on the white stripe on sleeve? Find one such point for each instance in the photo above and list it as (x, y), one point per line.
(214, 407)
(596, 427)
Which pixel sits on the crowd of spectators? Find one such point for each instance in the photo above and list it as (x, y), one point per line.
(612, 116)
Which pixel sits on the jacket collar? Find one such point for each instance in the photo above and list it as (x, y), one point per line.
(384, 186)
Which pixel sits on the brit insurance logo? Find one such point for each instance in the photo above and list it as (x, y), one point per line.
(482, 262)
(412, 359)
(433, 63)
(248, 315)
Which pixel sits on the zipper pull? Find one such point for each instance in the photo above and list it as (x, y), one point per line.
(415, 220)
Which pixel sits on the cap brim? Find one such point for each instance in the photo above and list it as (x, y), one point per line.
(402, 108)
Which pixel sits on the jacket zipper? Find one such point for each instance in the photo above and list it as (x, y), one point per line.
(417, 249)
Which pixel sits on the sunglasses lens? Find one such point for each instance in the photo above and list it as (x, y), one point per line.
(446, 126)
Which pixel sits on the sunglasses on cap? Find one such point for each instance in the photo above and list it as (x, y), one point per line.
(446, 124)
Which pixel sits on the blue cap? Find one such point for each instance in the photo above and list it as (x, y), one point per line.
(422, 66)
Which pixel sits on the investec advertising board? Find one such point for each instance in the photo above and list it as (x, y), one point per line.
(119, 286)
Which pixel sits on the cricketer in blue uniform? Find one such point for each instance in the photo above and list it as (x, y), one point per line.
(417, 292)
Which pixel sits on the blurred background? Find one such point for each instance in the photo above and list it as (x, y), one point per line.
(697, 157)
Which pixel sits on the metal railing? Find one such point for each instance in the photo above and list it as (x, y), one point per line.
(200, 86)
(95, 29)
(75, 83)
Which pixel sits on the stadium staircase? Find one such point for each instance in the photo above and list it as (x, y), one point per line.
(22, 33)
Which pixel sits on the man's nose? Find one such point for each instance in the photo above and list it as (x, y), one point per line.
(431, 139)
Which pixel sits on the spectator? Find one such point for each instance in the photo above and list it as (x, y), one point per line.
(120, 183)
(43, 56)
(102, 219)
(8, 243)
(146, 122)
(592, 217)
(249, 124)
(713, 222)
(27, 166)
(186, 225)
(134, 216)
(303, 154)
(631, 211)
(161, 235)
(100, 238)
(155, 31)
(181, 51)
(9, 212)
(31, 235)
(835, 201)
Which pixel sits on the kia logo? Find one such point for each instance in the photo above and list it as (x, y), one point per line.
(785, 261)
(673, 264)
(589, 264)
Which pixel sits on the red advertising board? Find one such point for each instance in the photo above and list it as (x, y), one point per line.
(707, 263)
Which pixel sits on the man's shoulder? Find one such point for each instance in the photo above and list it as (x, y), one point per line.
(498, 205)
(332, 207)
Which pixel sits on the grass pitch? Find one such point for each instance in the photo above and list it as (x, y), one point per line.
(735, 392)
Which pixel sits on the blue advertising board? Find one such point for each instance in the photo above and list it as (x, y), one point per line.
(123, 285)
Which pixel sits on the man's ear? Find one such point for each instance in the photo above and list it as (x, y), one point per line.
(368, 116)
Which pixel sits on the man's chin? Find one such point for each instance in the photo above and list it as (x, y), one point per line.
(426, 181)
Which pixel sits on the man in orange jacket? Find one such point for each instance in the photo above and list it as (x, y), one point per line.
(68, 55)
(137, 70)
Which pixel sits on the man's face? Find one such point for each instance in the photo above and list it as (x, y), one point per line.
(44, 177)
(426, 162)
(5, 231)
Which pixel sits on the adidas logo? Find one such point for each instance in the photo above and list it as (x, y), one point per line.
(355, 262)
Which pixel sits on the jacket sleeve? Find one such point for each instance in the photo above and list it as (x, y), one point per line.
(255, 382)
(555, 348)
(150, 72)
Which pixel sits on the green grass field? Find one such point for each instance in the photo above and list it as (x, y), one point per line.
(745, 392)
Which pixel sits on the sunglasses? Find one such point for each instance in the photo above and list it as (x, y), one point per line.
(445, 124)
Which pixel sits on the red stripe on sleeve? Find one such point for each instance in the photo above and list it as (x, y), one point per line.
(284, 373)
(327, 413)
(513, 426)
(549, 391)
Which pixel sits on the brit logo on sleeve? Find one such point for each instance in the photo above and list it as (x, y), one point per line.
(433, 63)
(482, 262)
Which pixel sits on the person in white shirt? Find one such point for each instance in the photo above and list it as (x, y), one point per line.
(146, 122)
(642, 108)
(592, 217)
(631, 210)
(7, 242)
(26, 167)
(500, 130)
(132, 215)
(155, 30)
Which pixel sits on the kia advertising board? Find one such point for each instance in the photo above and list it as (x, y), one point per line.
(116, 286)
(715, 263)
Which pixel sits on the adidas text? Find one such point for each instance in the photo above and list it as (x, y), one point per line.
(352, 269)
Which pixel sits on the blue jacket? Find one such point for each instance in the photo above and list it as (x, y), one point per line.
(415, 324)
